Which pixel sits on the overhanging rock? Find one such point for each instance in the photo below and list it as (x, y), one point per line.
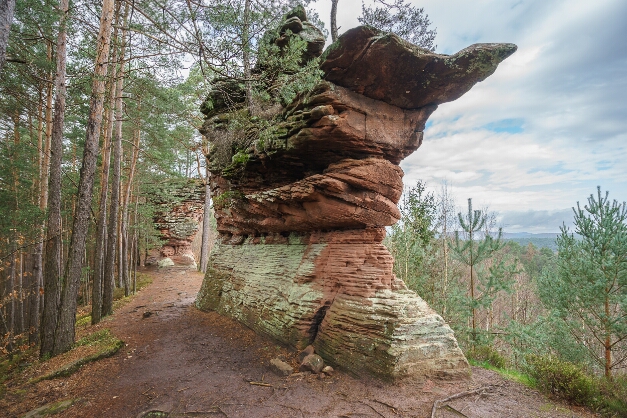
(302, 215)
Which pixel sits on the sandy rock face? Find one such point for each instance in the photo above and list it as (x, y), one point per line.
(179, 220)
(302, 212)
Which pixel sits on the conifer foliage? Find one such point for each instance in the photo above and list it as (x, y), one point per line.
(588, 291)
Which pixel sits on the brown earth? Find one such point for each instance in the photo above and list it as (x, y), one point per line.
(185, 362)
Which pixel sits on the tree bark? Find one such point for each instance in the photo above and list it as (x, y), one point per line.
(112, 239)
(124, 265)
(7, 9)
(607, 344)
(206, 225)
(334, 20)
(65, 332)
(19, 317)
(10, 296)
(54, 243)
(42, 200)
(101, 292)
(136, 254)
(246, 57)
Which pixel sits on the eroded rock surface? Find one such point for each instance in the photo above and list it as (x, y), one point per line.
(302, 210)
(179, 220)
(384, 67)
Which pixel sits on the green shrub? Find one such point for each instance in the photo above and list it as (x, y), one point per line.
(614, 396)
(563, 379)
(485, 353)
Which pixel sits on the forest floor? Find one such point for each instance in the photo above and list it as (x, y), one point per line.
(177, 361)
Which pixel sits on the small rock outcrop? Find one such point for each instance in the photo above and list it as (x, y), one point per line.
(302, 210)
(178, 220)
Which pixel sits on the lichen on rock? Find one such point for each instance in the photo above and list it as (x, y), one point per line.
(302, 208)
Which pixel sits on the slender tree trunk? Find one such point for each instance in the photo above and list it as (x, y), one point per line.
(123, 269)
(334, 20)
(16, 318)
(607, 345)
(206, 225)
(246, 57)
(19, 320)
(48, 133)
(101, 290)
(7, 9)
(65, 332)
(136, 254)
(44, 170)
(112, 239)
(472, 288)
(127, 198)
(54, 242)
(6, 331)
(10, 295)
(37, 276)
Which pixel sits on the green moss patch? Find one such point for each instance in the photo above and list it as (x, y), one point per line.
(50, 409)
(101, 344)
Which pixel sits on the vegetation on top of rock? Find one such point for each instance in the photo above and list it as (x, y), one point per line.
(287, 65)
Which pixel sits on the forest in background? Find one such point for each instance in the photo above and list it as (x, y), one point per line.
(100, 108)
(557, 317)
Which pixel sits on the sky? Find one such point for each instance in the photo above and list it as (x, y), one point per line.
(547, 128)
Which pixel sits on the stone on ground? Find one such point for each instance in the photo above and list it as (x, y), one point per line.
(280, 367)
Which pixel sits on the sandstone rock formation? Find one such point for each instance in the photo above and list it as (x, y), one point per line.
(178, 221)
(302, 210)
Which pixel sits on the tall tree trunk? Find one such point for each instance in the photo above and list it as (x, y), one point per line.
(136, 254)
(246, 57)
(19, 308)
(206, 225)
(101, 291)
(125, 219)
(65, 332)
(15, 280)
(37, 277)
(52, 302)
(334, 20)
(10, 295)
(112, 239)
(7, 8)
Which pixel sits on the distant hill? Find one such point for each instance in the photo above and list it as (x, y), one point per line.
(546, 240)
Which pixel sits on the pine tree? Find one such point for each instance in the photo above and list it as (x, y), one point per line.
(473, 251)
(588, 292)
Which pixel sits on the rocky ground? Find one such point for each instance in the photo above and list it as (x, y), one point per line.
(178, 361)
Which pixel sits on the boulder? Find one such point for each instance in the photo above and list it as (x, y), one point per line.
(312, 363)
(165, 262)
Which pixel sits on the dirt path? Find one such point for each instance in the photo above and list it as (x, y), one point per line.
(184, 362)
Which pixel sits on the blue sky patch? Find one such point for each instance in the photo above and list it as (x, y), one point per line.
(512, 126)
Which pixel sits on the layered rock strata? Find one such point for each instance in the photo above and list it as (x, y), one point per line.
(302, 212)
(178, 220)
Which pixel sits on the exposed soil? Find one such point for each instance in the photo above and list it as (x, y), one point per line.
(184, 362)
